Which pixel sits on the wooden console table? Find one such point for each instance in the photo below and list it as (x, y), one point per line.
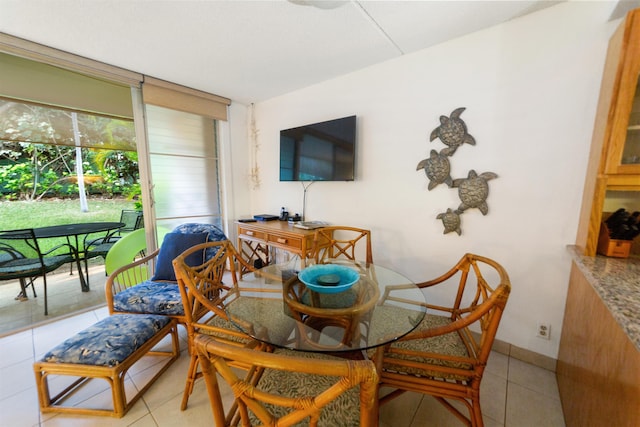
(255, 239)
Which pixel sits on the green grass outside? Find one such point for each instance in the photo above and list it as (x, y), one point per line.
(32, 214)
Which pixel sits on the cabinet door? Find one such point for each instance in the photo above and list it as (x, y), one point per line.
(624, 140)
(631, 149)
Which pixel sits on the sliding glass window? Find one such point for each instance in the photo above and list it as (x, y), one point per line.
(184, 167)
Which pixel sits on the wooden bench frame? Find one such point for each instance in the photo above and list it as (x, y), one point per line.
(114, 375)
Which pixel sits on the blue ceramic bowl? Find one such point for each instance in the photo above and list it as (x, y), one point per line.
(328, 278)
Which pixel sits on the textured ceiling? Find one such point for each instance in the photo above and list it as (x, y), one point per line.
(249, 50)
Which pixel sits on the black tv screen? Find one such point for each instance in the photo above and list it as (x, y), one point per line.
(319, 152)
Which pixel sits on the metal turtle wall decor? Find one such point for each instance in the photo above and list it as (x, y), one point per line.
(473, 190)
(437, 168)
(452, 132)
(451, 221)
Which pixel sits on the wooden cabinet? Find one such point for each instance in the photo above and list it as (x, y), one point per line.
(614, 161)
(623, 154)
(598, 365)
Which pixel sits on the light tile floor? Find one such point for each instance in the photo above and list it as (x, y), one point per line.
(514, 393)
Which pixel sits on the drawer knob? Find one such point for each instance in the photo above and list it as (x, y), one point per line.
(249, 233)
(281, 241)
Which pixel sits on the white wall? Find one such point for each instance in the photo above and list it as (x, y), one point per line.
(530, 89)
(233, 151)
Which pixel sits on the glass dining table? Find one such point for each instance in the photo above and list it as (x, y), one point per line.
(277, 308)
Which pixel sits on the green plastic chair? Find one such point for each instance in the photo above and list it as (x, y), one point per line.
(125, 250)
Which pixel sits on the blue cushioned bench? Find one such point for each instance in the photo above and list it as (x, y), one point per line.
(105, 350)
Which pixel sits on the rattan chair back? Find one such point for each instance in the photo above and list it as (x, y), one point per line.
(278, 399)
(205, 290)
(344, 242)
(347, 313)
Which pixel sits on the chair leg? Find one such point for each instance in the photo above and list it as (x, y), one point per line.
(32, 282)
(192, 375)
(22, 295)
(476, 414)
(46, 307)
(86, 270)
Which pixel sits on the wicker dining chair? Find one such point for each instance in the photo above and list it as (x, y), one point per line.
(343, 312)
(334, 242)
(446, 355)
(327, 392)
(206, 290)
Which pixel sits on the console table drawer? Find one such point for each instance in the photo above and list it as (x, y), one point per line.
(253, 234)
(285, 241)
(257, 239)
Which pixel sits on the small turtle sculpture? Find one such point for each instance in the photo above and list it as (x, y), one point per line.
(451, 221)
(452, 132)
(474, 190)
(437, 169)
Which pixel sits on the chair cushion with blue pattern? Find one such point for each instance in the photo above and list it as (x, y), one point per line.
(150, 297)
(108, 342)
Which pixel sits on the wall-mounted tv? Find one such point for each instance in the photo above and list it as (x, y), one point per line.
(322, 151)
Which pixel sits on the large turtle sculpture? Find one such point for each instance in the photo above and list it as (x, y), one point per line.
(451, 221)
(452, 132)
(437, 169)
(474, 190)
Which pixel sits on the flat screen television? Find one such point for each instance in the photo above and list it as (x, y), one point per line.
(322, 151)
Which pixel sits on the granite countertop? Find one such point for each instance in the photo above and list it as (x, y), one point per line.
(617, 281)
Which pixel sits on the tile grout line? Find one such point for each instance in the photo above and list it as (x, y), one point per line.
(506, 393)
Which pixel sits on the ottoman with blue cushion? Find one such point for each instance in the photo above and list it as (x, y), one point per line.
(105, 350)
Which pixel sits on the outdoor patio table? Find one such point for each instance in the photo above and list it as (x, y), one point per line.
(76, 235)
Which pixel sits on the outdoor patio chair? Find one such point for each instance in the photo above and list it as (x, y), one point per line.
(21, 258)
(132, 220)
(148, 285)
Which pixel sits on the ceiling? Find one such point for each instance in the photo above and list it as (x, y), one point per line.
(249, 51)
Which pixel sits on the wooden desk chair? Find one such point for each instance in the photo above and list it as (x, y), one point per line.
(444, 356)
(341, 242)
(291, 389)
(208, 288)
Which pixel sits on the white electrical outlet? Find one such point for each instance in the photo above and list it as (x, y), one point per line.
(544, 331)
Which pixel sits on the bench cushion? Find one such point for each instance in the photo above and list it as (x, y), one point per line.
(108, 342)
(150, 297)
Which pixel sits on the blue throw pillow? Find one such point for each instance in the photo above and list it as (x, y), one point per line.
(172, 246)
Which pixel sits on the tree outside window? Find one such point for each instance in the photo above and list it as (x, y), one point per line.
(39, 153)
